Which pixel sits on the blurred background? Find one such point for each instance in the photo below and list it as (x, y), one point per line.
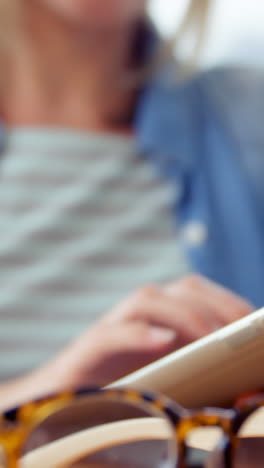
(236, 32)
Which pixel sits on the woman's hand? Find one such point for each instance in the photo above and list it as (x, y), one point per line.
(147, 325)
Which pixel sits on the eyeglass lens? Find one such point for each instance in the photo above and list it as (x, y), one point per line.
(100, 433)
(249, 449)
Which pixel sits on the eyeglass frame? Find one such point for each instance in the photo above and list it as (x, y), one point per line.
(29, 415)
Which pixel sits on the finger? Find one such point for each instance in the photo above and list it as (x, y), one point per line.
(128, 347)
(157, 307)
(202, 308)
(212, 311)
(219, 311)
(140, 336)
(151, 304)
(136, 335)
(226, 303)
(105, 353)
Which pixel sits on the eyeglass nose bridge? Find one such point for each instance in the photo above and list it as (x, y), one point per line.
(206, 419)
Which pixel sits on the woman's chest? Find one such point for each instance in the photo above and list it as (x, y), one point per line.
(93, 217)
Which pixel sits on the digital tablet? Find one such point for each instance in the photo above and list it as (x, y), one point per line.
(214, 370)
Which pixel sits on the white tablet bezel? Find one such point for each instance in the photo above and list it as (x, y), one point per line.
(211, 371)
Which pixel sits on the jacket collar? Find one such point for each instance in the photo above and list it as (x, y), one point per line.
(165, 119)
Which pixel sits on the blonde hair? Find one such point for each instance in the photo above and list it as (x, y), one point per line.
(195, 23)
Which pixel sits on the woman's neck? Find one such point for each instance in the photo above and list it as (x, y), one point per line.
(69, 76)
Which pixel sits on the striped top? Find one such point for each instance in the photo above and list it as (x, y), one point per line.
(83, 221)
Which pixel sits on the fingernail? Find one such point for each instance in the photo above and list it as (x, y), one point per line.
(162, 335)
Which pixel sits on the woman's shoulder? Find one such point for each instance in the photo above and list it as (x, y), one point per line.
(235, 84)
(235, 96)
(172, 109)
(233, 76)
(233, 91)
(225, 84)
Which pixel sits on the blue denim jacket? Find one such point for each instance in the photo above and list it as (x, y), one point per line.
(207, 137)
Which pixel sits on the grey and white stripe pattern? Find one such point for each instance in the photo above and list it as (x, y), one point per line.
(83, 222)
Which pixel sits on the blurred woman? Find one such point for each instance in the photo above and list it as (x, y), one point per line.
(109, 164)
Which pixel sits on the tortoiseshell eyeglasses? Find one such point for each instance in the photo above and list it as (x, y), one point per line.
(122, 428)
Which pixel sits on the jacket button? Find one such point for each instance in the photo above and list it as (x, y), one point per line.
(195, 234)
